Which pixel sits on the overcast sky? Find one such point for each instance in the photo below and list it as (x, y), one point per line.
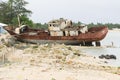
(86, 11)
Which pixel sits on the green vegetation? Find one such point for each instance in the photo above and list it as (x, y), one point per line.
(40, 26)
(109, 25)
(13, 11)
(53, 79)
(119, 67)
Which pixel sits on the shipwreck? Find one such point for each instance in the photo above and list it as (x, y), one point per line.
(60, 31)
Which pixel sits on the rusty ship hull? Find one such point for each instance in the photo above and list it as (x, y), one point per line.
(94, 34)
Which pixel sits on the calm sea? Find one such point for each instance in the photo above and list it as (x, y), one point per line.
(112, 38)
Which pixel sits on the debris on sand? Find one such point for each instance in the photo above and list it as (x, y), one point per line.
(24, 61)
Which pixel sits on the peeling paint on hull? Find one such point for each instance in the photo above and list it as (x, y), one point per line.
(94, 34)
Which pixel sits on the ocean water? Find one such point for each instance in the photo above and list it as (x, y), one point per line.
(109, 45)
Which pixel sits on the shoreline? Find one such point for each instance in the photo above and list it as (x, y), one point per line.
(52, 62)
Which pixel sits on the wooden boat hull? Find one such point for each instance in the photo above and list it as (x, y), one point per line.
(93, 35)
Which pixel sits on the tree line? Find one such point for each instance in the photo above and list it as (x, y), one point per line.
(13, 11)
(109, 25)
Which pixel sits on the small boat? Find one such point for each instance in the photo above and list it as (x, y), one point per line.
(60, 34)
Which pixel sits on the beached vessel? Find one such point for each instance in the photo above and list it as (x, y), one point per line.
(60, 31)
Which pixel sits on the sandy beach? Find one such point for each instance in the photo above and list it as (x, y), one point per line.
(21, 61)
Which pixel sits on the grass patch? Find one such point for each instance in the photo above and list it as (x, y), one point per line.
(53, 79)
(119, 67)
(35, 47)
